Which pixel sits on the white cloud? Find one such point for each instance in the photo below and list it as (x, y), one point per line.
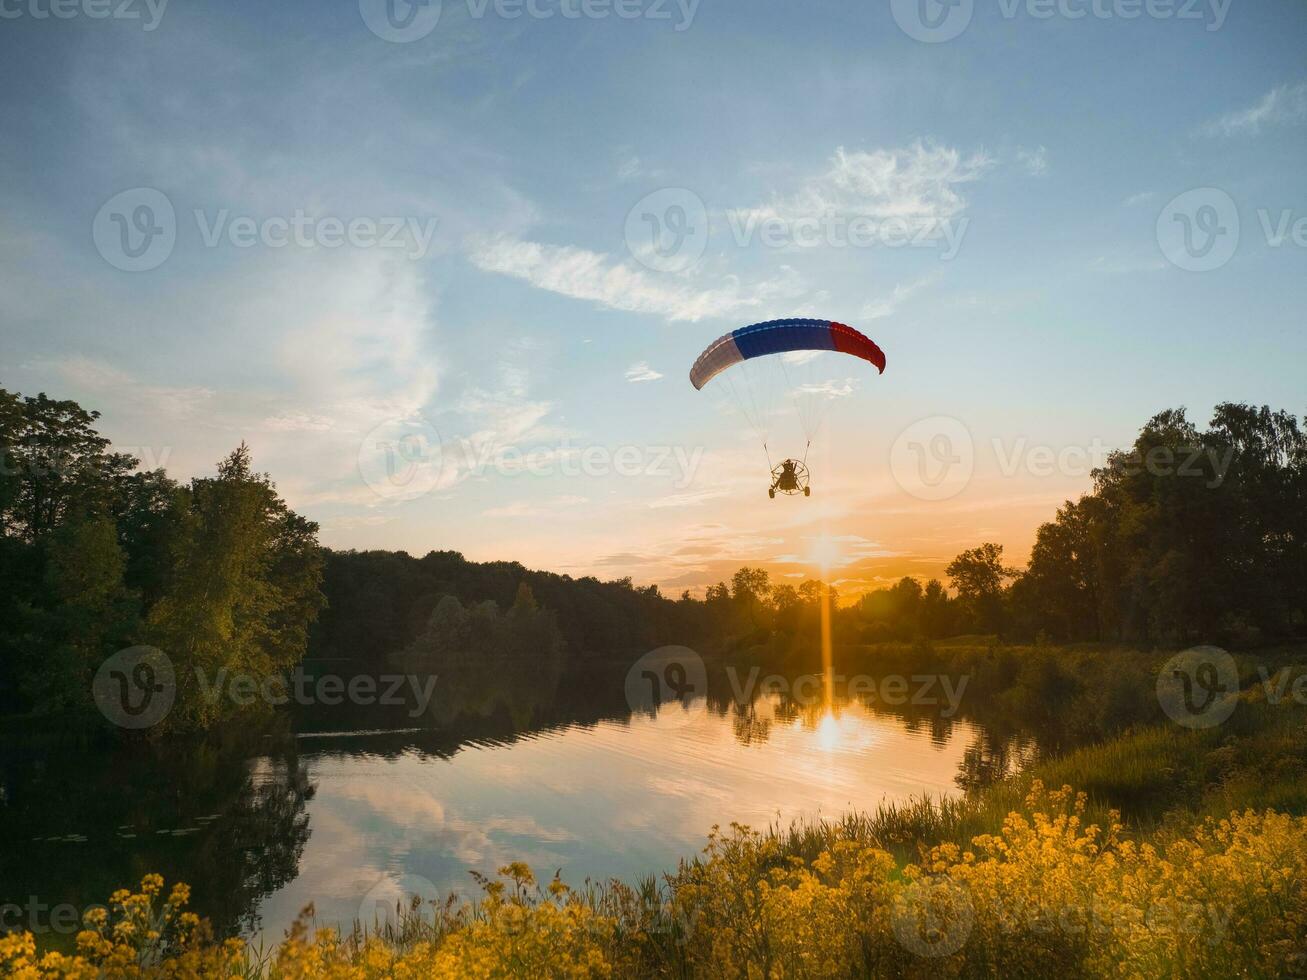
(582, 274)
(919, 183)
(101, 379)
(641, 371)
(1282, 104)
(1034, 161)
(1143, 197)
(537, 508)
(691, 499)
(830, 388)
(885, 306)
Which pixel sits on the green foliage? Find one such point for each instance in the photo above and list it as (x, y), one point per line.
(86, 610)
(242, 585)
(1188, 536)
(95, 557)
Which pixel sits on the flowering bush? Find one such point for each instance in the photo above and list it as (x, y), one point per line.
(1047, 895)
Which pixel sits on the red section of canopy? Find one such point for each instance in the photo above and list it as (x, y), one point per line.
(850, 341)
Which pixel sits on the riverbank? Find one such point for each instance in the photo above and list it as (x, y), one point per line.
(1179, 852)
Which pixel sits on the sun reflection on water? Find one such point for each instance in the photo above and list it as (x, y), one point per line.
(828, 732)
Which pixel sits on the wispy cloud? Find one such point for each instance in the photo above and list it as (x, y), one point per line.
(693, 498)
(1282, 104)
(920, 183)
(886, 305)
(538, 508)
(582, 274)
(641, 371)
(1035, 161)
(99, 379)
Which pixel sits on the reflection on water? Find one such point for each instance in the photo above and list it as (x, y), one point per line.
(617, 798)
(266, 822)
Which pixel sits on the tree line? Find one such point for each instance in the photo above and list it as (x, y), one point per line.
(1187, 536)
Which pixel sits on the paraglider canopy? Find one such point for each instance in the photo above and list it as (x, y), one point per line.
(779, 337)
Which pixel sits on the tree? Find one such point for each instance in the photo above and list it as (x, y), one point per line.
(52, 463)
(751, 586)
(936, 620)
(243, 582)
(87, 613)
(978, 575)
(1058, 594)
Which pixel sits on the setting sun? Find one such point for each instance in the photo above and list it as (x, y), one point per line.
(825, 552)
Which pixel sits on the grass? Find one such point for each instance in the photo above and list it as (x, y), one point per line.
(824, 898)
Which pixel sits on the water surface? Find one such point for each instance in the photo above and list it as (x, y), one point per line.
(349, 817)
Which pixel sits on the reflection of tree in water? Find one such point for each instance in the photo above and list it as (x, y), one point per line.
(748, 726)
(990, 758)
(488, 663)
(93, 818)
(257, 851)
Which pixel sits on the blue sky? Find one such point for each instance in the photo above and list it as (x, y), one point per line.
(1036, 153)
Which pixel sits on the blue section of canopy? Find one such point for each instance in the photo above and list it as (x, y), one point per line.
(777, 336)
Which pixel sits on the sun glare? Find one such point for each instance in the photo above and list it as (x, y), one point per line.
(825, 552)
(828, 732)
